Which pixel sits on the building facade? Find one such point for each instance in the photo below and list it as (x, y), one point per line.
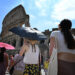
(16, 17)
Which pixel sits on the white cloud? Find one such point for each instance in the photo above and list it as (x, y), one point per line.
(32, 16)
(64, 9)
(42, 5)
(22, 2)
(38, 4)
(47, 25)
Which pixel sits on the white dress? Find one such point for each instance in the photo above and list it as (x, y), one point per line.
(52, 68)
(60, 47)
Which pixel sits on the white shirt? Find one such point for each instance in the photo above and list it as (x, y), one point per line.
(60, 42)
(32, 57)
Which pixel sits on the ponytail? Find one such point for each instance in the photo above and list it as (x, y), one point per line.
(65, 26)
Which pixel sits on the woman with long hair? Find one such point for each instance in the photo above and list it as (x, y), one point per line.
(3, 61)
(64, 41)
(30, 50)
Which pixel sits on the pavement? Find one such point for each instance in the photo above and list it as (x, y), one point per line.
(7, 73)
(42, 72)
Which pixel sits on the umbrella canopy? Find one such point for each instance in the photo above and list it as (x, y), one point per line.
(7, 46)
(29, 33)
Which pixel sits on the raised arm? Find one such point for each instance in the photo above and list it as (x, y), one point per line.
(23, 49)
(52, 44)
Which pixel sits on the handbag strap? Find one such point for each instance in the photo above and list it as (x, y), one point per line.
(18, 61)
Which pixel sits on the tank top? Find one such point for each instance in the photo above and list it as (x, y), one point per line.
(32, 57)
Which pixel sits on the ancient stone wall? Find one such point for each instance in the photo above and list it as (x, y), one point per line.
(16, 17)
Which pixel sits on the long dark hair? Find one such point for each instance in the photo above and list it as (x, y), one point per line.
(65, 26)
(2, 50)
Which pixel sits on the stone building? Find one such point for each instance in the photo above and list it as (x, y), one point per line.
(16, 17)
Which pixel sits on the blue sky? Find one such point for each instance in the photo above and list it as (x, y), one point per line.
(44, 14)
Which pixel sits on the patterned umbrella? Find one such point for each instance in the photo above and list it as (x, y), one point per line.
(29, 33)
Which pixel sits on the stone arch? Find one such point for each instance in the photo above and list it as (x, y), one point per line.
(16, 17)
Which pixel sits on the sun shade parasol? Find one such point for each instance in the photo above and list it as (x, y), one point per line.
(29, 33)
(7, 46)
